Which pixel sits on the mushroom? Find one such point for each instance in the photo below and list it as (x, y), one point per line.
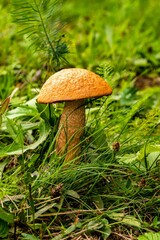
(72, 85)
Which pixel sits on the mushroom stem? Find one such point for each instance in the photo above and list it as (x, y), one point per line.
(71, 128)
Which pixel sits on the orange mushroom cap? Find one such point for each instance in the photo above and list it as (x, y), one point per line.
(73, 84)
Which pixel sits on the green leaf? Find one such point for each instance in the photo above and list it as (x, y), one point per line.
(150, 236)
(148, 149)
(29, 237)
(127, 219)
(155, 222)
(70, 229)
(128, 96)
(15, 148)
(3, 228)
(100, 225)
(24, 110)
(19, 123)
(106, 230)
(132, 221)
(153, 158)
(66, 232)
(35, 226)
(98, 202)
(15, 130)
(48, 113)
(94, 225)
(151, 154)
(43, 210)
(5, 216)
(2, 166)
(73, 194)
(141, 62)
(127, 158)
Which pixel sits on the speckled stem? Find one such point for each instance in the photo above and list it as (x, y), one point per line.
(71, 128)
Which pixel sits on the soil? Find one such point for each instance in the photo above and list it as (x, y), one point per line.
(143, 82)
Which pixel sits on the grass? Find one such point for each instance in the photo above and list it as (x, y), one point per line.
(113, 193)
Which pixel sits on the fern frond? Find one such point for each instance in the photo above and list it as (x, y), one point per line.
(105, 70)
(41, 21)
